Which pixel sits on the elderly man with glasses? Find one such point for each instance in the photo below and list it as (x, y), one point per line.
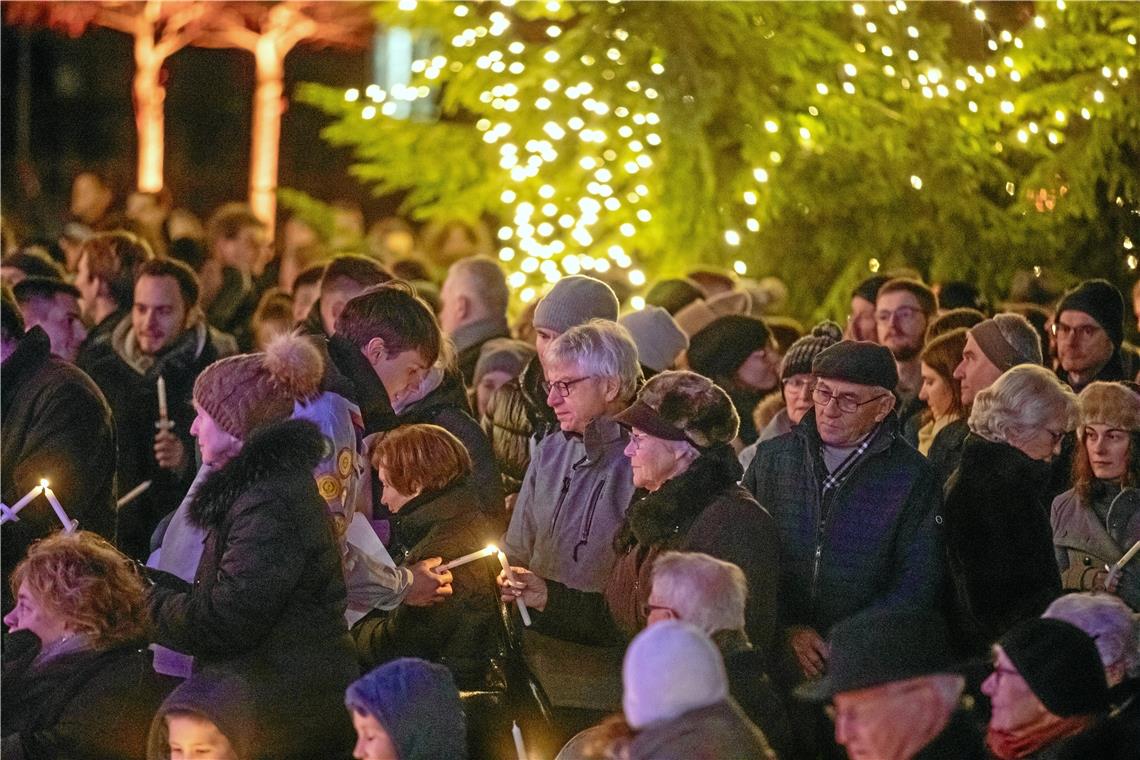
(856, 507)
(579, 483)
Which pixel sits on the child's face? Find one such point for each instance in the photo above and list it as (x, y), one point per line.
(195, 738)
(372, 741)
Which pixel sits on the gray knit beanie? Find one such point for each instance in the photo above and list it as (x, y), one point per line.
(503, 355)
(657, 336)
(574, 301)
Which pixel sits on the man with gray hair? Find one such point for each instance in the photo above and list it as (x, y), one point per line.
(710, 593)
(579, 483)
(992, 347)
(473, 308)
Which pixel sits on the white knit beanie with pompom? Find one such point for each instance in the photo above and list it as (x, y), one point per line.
(244, 392)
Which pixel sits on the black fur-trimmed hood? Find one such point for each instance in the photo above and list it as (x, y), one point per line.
(279, 450)
(680, 501)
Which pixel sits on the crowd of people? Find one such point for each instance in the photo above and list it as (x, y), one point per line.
(263, 490)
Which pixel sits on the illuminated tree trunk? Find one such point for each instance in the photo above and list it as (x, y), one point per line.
(150, 120)
(266, 134)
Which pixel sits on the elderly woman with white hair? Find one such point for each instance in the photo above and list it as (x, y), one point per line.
(998, 540)
(1111, 624)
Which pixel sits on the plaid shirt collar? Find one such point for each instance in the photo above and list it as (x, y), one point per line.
(847, 466)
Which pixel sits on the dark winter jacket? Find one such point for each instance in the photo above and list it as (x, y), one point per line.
(572, 503)
(520, 418)
(701, 510)
(1083, 544)
(959, 740)
(749, 685)
(232, 309)
(880, 544)
(84, 705)
(460, 632)
(269, 598)
(350, 374)
(447, 406)
(470, 338)
(998, 544)
(56, 425)
(717, 732)
(133, 397)
(946, 448)
(97, 344)
(1122, 365)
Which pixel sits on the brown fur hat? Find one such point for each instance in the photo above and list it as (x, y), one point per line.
(1110, 404)
(694, 404)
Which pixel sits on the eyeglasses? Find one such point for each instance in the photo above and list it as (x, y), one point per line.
(636, 439)
(1084, 332)
(562, 386)
(903, 313)
(846, 404)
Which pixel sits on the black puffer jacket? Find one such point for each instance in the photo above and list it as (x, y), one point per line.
(459, 632)
(89, 705)
(999, 544)
(447, 406)
(269, 598)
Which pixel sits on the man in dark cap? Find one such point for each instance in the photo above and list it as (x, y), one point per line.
(1089, 329)
(893, 690)
(855, 505)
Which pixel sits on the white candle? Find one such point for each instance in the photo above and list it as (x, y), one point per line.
(163, 412)
(133, 494)
(470, 557)
(10, 514)
(69, 525)
(518, 599)
(1120, 563)
(520, 748)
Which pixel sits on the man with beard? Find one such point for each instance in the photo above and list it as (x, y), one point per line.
(903, 309)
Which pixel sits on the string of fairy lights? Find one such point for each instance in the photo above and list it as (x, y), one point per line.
(578, 188)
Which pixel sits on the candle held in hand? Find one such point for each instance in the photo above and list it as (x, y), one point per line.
(471, 557)
(523, 611)
(520, 748)
(69, 525)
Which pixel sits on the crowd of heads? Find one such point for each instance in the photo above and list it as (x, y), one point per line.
(612, 436)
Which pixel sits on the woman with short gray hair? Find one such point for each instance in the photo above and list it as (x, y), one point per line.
(998, 539)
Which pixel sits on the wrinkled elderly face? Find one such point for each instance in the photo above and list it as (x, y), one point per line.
(1013, 703)
(586, 396)
(1082, 344)
(877, 723)
(31, 614)
(797, 395)
(838, 427)
(655, 460)
(975, 372)
(1042, 442)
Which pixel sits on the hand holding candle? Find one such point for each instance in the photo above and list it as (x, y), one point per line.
(523, 611)
(487, 552)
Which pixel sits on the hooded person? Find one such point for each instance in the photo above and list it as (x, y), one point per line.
(737, 353)
(675, 698)
(268, 599)
(407, 709)
(206, 713)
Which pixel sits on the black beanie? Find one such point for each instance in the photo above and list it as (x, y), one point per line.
(802, 353)
(1102, 301)
(1060, 663)
(858, 361)
(719, 349)
(868, 289)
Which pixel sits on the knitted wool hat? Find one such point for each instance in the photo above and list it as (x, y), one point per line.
(683, 406)
(673, 295)
(575, 301)
(657, 336)
(1060, 663)
(503, 355)
(701, 313)
(1007, 340)
(801, 354)
(1112, 404)
(670, 669)
(858, 361)
(719, 349)
(1102, 301)
(244, 392)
